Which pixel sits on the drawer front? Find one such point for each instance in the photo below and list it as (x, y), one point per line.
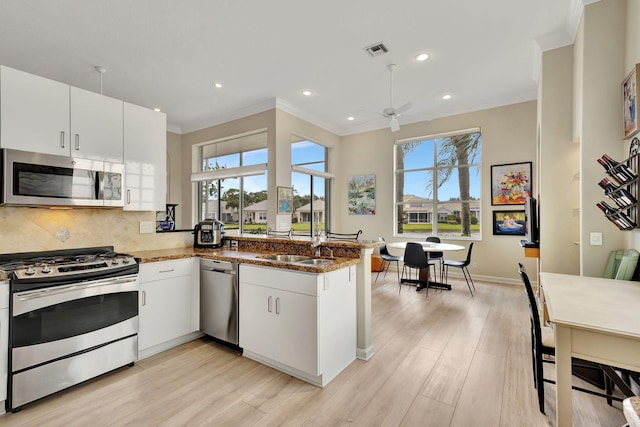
(160, 270)
(279, 278)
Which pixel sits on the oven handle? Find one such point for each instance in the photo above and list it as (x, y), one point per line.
(41, 293)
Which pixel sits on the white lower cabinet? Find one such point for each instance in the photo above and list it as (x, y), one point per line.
(300, 323)
(168, 295)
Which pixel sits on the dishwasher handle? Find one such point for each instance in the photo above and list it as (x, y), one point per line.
(218, 270)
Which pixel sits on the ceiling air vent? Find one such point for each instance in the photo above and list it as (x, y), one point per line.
(376, 49)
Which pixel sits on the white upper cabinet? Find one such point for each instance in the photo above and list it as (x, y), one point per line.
(96, 126)
(34, 113)
(145, 146)
(45, 116)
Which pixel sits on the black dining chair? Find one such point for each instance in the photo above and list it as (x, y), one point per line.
(462, 265)
(436, 256)
(388, 259)
(414, 258)
(543, 344)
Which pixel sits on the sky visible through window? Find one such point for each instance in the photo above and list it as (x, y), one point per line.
(302, 153)
(422, 157)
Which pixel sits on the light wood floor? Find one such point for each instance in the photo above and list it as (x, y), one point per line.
(449, 360)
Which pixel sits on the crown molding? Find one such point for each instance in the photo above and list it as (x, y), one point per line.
(294, 111)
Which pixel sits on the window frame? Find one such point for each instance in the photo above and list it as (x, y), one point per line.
(434, 212)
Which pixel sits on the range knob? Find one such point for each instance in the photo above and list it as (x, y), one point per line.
(46, 269)
(30, 271)
(115, 261)
(125, 260)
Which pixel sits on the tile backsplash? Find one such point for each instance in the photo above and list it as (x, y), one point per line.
(24, 229)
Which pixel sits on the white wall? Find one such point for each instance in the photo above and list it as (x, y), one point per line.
(602, 51)
(508, 136)
(558, 174)
(632, 57)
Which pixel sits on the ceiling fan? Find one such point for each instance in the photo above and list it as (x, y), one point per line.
(391, 112)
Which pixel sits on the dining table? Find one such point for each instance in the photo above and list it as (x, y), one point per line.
(430, 247)
(593, 319)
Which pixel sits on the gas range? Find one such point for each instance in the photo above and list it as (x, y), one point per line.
(30, 270)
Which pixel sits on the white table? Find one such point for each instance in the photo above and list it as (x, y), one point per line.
(431, 247)
(594, 319)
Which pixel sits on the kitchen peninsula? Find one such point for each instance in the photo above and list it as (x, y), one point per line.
(255, 251)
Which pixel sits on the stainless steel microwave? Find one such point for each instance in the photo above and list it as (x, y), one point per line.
(43, 179)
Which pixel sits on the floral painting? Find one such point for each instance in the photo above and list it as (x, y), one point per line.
(362, 195)
(510, 183)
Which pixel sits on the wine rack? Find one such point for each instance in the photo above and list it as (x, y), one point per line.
(623, 189)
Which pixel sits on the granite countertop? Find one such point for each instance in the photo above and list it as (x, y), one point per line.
(243, 256)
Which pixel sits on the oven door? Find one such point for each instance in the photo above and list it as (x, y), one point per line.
(55, 322)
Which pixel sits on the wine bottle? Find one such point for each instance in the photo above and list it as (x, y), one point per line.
(620, 170)
(621, 196)
(617, 175)
(618, 218)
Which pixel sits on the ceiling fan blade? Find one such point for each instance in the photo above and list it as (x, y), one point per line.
(393, 124)
(403, 108)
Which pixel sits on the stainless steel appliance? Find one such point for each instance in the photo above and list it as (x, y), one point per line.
(43, 179)
(73, 315)
(219, 300)
(208, 234)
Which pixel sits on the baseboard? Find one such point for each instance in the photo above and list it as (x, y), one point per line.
(143, 354)
(365, 353)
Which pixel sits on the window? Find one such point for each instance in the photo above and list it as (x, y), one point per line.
(239, 197)
(310, 189)
(438, 185)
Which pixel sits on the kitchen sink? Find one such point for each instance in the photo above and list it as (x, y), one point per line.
(316, 261)
(287, 258)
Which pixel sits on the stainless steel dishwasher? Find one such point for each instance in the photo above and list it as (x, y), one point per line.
(219, 299)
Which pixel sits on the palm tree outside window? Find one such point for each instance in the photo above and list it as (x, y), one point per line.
(438, 185)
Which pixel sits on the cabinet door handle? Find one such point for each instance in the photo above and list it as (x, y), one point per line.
(77, 142)
(166, 271)
(61, 139)
(128, 197)
(278, 305)
(269, 304)
(144, 298)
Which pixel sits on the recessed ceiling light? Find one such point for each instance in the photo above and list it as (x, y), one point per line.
(445, 97)
(307, 93)
(156, 109)
(422, 57)
(351, 118)
(217, 85)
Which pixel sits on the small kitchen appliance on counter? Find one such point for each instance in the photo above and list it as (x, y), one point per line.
(208, 234)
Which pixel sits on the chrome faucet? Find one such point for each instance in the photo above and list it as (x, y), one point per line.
(316, 242)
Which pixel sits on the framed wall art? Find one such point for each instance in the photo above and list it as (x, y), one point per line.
(510, 223)
(630, 100)
(510, 183)
(285, 200)
(362, 195)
